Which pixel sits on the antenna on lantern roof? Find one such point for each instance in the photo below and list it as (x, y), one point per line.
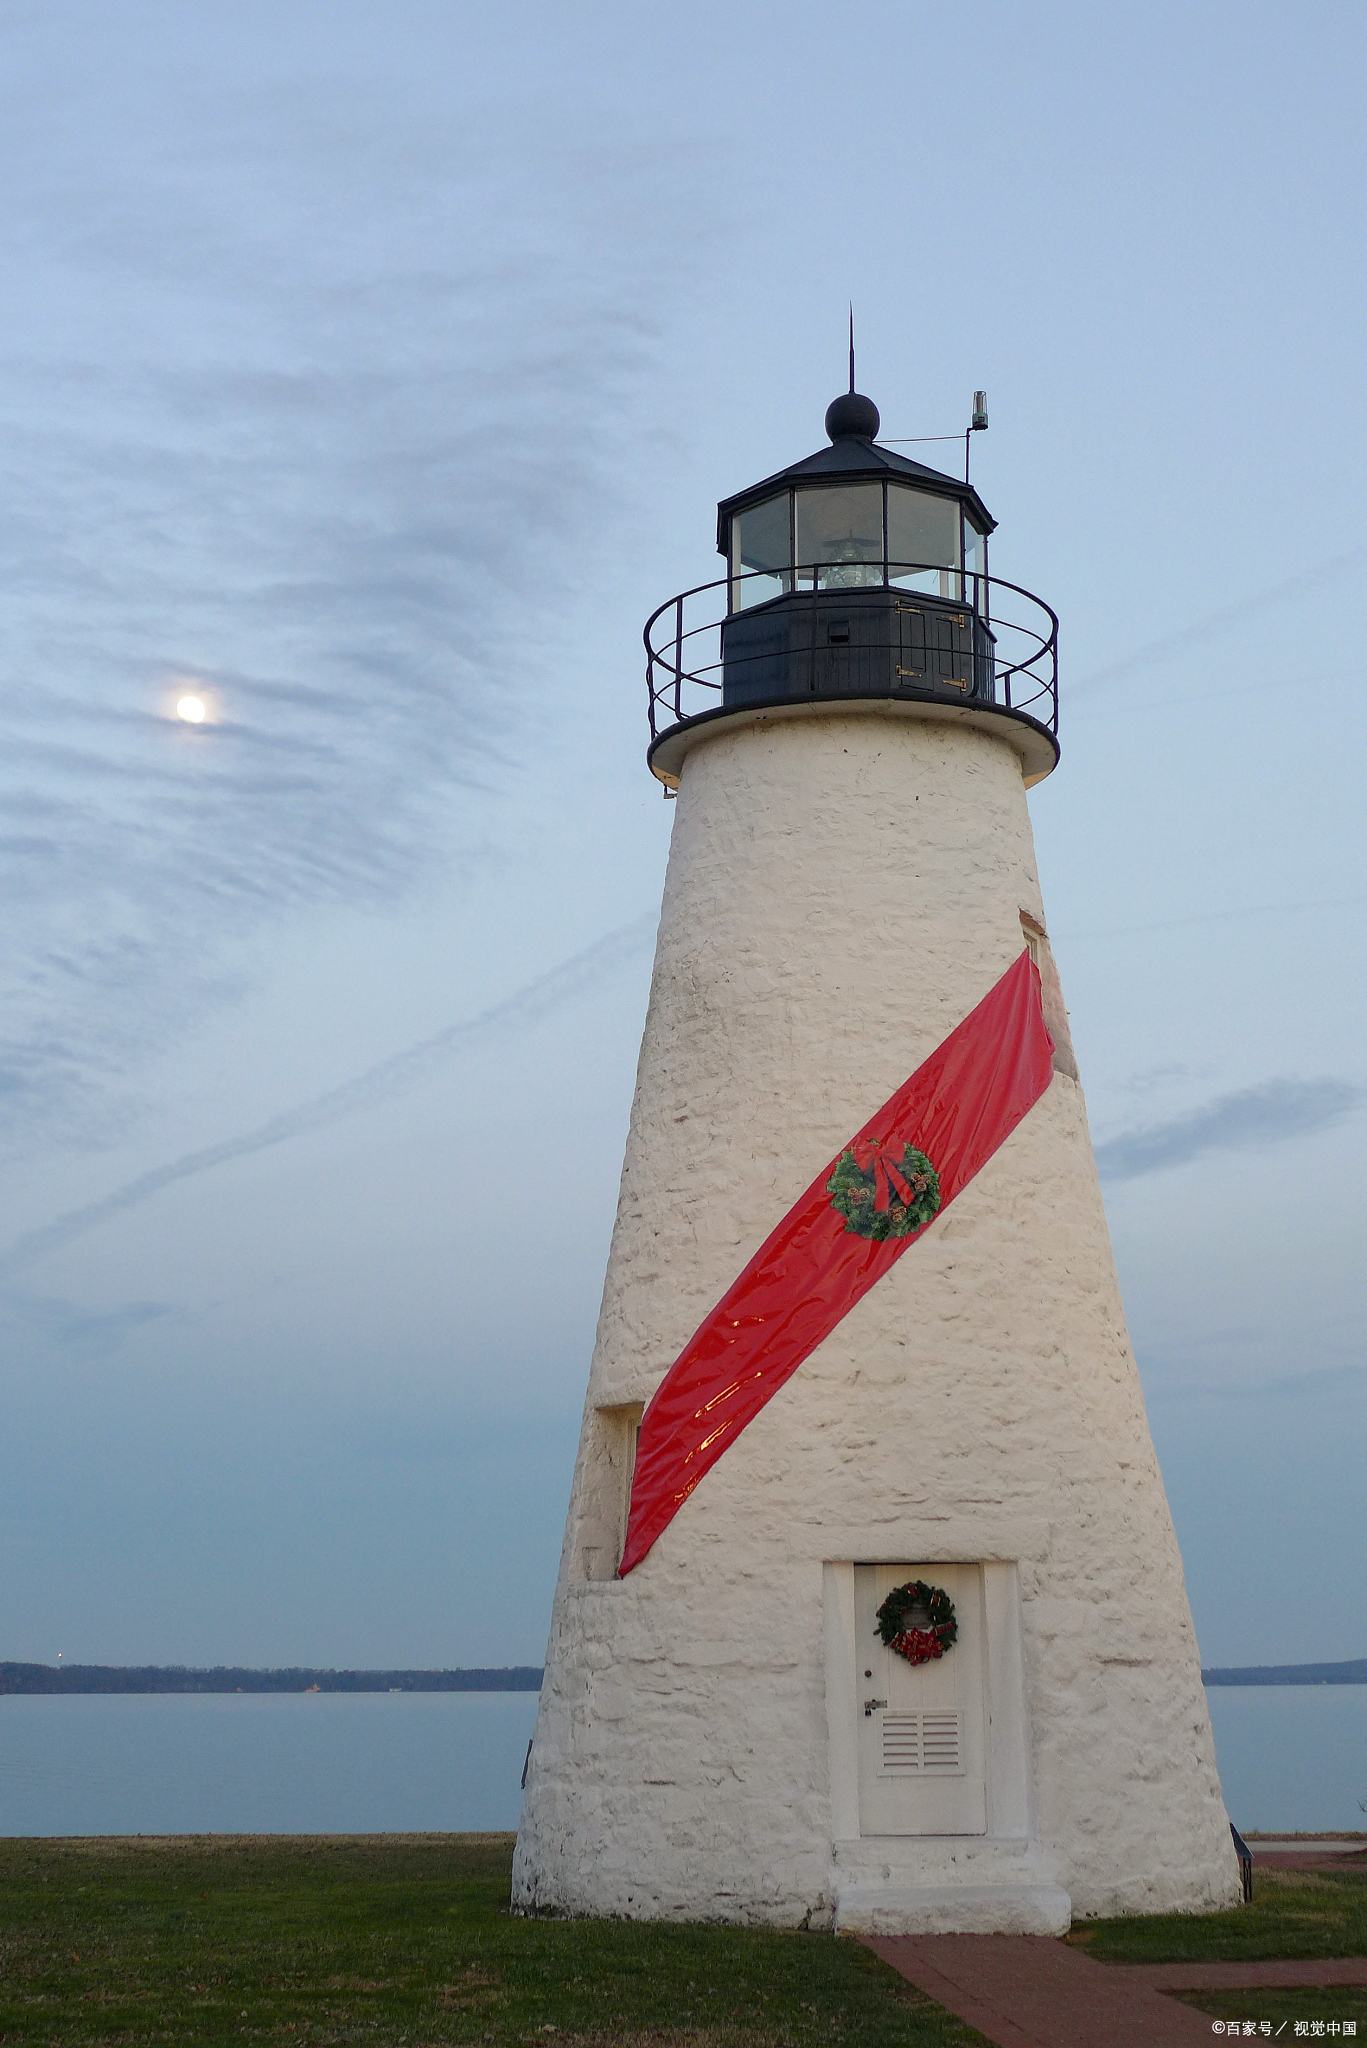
(851, 344)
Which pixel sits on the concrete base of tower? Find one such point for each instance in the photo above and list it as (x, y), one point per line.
(953, 1885)
(954, 1909)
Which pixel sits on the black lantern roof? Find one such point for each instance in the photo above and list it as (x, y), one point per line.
(852, 421)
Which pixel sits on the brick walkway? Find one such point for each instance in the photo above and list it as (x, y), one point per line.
(1026, 1991)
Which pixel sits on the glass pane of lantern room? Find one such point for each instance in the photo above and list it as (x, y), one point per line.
(973, 565)
(761, 553)
(840, 536)
(923, 542)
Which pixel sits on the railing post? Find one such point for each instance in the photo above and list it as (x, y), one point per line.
(678, 657)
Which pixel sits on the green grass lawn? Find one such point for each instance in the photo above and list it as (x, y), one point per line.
(374, 1939)
(408, 1938)
(1294, 1913)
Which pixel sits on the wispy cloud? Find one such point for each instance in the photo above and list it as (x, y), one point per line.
(329, 422)
(78, 1329)
(1270, 1114)
(519, 1011)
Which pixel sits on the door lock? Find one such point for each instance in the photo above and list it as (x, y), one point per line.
(869, 1706)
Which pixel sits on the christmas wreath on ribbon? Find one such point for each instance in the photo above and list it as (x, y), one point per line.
(918, 1622)
(884, 1199)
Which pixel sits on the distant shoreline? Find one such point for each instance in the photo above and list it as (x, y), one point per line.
(1352, 1673)
(231, 1678)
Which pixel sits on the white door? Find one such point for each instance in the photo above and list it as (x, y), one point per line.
(921, 1755)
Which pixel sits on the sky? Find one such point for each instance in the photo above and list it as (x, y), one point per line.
(374, 373)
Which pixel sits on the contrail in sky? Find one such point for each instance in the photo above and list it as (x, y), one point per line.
(1172, 924)
(525, 1007)
(1215, 622)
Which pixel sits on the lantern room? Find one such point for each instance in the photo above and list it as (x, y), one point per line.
(887, 558)
(855, 517)
(854, 573)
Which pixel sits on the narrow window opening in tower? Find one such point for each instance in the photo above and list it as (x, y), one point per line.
(605, 1489)
(1055, 1015)
(633, 1440)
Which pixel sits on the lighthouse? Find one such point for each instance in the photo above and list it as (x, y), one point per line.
(870, 1611)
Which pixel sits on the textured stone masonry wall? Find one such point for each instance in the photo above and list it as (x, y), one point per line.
(840, 893)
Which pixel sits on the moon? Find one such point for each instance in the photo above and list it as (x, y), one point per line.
(191, 709)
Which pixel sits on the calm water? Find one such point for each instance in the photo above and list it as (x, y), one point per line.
(262, 1763)
(1292, 1757)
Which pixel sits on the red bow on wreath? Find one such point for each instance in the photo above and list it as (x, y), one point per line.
(918, 1645)
(884, 1172)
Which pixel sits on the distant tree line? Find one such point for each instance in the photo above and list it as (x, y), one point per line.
(1354, 1673)
(46, 1678)
(146, 1678)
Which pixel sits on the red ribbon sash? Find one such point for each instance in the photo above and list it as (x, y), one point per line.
(957, 1108)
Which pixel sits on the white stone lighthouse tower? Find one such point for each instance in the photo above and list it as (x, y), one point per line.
(724, 1732)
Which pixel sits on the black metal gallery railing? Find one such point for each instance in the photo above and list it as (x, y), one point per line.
(966, 638)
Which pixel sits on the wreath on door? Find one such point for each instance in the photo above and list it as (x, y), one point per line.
(917, 1621)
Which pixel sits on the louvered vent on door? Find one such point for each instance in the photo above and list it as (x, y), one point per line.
(940, 1742)
(901, 1742)
(929, 1744)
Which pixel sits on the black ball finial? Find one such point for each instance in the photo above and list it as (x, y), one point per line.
(852, 415)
